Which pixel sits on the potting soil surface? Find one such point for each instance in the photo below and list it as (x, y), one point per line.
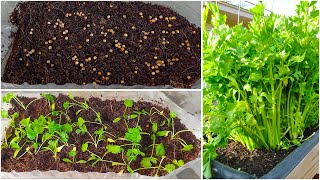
(256, 162)
(109, 109)
(126, 43)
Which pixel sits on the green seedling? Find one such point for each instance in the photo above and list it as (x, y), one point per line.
(72, 155)
(53, 147)
(96, 159)
(128, 104)
(174, 135)
(147, 163)
(96, 137)
(9, 96)
(84, 106)
(5, 115)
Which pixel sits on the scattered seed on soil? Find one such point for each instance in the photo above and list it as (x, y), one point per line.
(76, 35)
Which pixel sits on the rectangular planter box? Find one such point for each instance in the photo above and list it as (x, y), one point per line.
(191, 10)
(303, 162)
(189, 170)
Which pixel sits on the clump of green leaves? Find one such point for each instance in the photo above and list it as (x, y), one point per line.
(261, 82)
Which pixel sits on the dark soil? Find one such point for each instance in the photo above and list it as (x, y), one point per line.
(257, 162)
(109, 109)
(127, 43)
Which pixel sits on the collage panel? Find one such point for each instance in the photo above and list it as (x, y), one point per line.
(105, 44)
(261, 89)
(52, 129)
(94, 134)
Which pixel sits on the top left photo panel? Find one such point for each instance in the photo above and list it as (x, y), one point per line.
(101, 45)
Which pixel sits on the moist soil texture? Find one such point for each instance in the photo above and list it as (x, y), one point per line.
(125, 43)
(256, 162)
(109, 109)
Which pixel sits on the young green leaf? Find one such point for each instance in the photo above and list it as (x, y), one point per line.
(25, 122)
(133, 135)
(81, 161)
(16, 152)
(170, 167)
(154, 127)
(130, 170)
(128, 103)
(110, 140)
(99, 132)
(67, 127)
(66, 105)
(70, 95)
(81, 121)
(163, 133)
(160, 150)
(187, 147)
(67, 160)
(84, 147)
(146, 162)
(48, 97)
(173, 115)
(133, 153)
(179, 163)
(116, 119)
(7, 98)
(117, 164)
(4, 114)
(133, 116)
(73, 152)
(114, 149)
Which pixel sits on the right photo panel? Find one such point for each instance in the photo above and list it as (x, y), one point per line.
(260, 89)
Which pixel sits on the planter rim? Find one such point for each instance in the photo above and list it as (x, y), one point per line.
(281, 170)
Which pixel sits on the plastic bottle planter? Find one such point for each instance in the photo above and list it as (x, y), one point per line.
(303, 162)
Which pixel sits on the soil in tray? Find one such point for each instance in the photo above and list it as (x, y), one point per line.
(126, 43)
(110, 109)
(257, 162)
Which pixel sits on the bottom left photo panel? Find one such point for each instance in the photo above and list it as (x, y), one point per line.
(106, 134)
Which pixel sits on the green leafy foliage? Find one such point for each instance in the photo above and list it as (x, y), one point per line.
(48, 97)
(170, 167)
(132, 154)
(178, 163)
(4, 114)
(114, 149)
(147, 162)
(133, 135)
(128, 103)
(261, 82)
(187, 147)
(66, 105)
(7, 97)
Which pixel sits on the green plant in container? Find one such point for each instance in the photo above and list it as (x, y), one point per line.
(261, 82)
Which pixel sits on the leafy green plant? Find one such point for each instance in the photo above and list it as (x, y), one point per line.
(72, 155)
(5, 115)
(97, 135)
(261, 82)
(10, 96)
(83, 107)
(53, 146)
(128, 104)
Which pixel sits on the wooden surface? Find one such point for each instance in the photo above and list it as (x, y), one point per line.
(308, 167)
